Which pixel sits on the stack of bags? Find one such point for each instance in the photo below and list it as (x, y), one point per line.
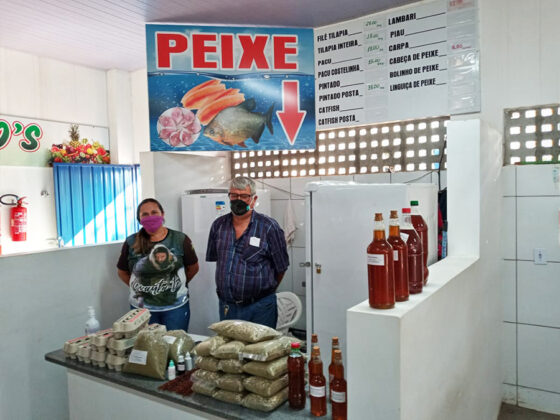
(245, 364)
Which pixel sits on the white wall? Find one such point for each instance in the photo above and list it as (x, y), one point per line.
(46, 296)
(519, 66)
(531, 314)
(38, 87)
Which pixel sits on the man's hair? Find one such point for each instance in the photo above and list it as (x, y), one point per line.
(242, 182)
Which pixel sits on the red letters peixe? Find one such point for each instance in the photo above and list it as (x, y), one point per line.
(210, 51)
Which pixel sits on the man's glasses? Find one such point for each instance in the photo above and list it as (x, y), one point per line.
(234, 196)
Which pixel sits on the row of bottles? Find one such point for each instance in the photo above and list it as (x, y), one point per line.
(398, 265)
(317, 381)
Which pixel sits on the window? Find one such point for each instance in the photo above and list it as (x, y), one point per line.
(398, 146)
(95, 203)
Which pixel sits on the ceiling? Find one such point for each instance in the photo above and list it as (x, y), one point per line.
(108, 34)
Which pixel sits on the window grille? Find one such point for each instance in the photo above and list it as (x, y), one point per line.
(404, 146)
(532, 134)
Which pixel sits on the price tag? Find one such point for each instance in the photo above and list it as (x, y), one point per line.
(376, 259)
(138, 357)
(169, 339)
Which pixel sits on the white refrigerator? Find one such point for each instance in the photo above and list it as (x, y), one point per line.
(339, 223)
(199, 209)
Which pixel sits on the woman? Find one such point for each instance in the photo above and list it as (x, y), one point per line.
(157, 264)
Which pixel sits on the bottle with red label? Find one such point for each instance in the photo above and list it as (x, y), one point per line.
(339, 405)
(422, 228)
(317, 385)
(381, 283)
(415, 255)
(400, 258)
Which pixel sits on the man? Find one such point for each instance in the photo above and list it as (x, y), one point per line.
(251, 255)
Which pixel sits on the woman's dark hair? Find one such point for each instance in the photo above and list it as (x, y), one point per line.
(142, 242)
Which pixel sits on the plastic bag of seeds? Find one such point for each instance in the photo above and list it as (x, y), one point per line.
(229, 350)
(231, 365)
(257, 402)
(269, 349)
(205, 376)
(229, 397)
(268, 370)
(244, 330)
(231, 382)
(149, 355)
(265, 387)
(204, 388)
(179, 343)
(207, 363)
(209, 345)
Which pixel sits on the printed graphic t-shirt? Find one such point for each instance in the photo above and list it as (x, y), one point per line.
(158, 279)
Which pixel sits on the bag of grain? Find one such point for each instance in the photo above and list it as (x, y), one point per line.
(248, 332)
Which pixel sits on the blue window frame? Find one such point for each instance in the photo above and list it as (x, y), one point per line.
(95, 203)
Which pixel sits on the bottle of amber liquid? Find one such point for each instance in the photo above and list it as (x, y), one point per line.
(296, 378)
(335, 346)
(317, 385)
(415, 257)
(314, 342)
(338, 389)
(421, 227)
(381, 284)
(400, 258)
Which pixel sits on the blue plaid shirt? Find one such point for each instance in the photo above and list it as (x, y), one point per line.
(247, 267)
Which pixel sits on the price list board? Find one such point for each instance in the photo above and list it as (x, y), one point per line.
(390, 66)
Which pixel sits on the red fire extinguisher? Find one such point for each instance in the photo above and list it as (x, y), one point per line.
(18, 204)
(18, 221)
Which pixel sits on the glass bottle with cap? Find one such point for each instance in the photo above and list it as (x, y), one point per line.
(338, 389)
(414, 249)
(381, 283)
(400, 258)
(317, 385)
(421, 227)
(296, 378)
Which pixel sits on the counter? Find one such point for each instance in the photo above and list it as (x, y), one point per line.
(90, 403)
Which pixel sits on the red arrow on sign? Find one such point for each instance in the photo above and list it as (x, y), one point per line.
(291, 118)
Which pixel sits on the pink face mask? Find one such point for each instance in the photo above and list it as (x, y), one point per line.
(151, 223)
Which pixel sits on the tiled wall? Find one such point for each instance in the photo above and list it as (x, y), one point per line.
(531, 292)
(284, 189)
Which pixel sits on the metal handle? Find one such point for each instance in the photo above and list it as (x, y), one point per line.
(305, 264)
(318, 268)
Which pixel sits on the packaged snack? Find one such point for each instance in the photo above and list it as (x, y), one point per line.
(231, 382)
(229, 350)
(209, 345)
(231, 365)
(248, 332)
(149, 356)
(265, 387)
(257, 402)
(268, 370)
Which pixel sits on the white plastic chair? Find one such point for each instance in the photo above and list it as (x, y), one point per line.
(289, 310)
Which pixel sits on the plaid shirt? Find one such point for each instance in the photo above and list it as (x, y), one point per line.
(247, 267)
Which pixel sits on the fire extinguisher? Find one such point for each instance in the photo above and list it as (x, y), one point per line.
(18, 221)
(14, 202)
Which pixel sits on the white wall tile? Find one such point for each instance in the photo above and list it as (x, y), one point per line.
(298, 185)
(509, 394)
(549, 34)
(537, 226)
(299, 272)
(299, 212)
(277, 210)
(443, 175)
(508, 290)
(538, 291)
(422, 177)
(537, 180)
(538, 357)
(279, 187)
(373, 178)
(344, 178)
(508, 228)
(507, 177)
(535, 399)
(509, 356)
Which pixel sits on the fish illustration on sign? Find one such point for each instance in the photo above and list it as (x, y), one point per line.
(235, 124)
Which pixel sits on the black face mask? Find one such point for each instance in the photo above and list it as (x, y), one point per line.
(239, 207)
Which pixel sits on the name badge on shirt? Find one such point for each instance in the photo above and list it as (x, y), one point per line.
(254, 241)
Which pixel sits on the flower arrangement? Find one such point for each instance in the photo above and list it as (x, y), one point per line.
(78, 151)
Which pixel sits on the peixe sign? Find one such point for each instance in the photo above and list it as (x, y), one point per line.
(230, 88)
